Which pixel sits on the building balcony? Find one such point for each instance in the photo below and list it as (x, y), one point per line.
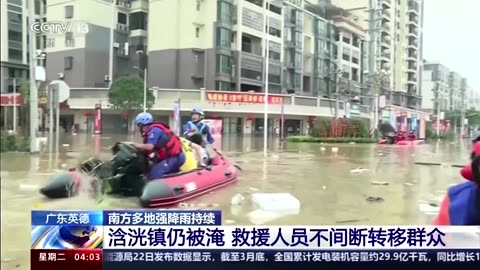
(412, 44)
(385, 57)
(411, 69)
(386, 41)
(123, 28)
(386, 15)
(123, 3)
(413, 7)
(386, 3)
(411, 80)
(386, 28)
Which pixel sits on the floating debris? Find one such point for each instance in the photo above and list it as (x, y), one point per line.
(323, 149)
(359, 170)
(229, 221)
(253, 189)
(378, 183)
(237, 199)
(408, 184)
(334, 149)
(374, 199)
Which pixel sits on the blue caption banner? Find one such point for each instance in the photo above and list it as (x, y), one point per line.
(167, 218)
(283, 259)
(66, 218)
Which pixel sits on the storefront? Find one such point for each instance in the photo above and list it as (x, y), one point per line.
(403, 119)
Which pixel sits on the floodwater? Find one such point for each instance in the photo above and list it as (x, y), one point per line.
(320, 177)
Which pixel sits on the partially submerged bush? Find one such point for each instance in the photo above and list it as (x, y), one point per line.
(12, 143)
(310, 139)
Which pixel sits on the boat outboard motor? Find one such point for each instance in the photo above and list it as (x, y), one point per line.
(127, 166)
(390, 137)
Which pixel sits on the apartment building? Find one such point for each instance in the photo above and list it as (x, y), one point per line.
(456, 91)
(14, 41)
(395, 29)
(473, 98)
(115, 44)
(435, 87)
(221, 45)
(351, 54)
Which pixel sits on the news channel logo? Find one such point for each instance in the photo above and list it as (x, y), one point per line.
(60, 28)
(67, 237)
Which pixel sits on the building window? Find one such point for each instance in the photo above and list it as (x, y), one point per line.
(14, 18)
(68, 62)
(223, 64)
(273, 55)
(251, 74)
(68, 12)
(69, 39)
(224, 38)
(346, 40)
(297, 80)
(197, 32)
(15, 2)
(15, 55)
(274, 78)
(356, 42)
(14, 36)
(275, 32)
(224, 12)
(122, 18)
(198, 5)
(223, 86)
(138, 21)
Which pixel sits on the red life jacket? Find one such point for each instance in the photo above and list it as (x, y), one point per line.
(163, 149)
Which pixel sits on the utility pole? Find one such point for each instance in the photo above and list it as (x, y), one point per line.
(33, 84)
(437, 102)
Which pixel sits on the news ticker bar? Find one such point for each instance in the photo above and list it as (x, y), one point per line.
(127, 218)
(254, 259)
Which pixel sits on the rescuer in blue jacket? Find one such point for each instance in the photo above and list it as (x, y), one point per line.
(197, 126)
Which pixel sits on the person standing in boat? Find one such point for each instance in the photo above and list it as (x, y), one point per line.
(196, 125)
(162, 148)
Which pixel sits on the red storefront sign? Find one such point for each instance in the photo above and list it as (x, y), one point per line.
(97, 124)
(243, 97)
(10, 99)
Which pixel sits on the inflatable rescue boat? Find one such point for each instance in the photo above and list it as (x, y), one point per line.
(170, 190)
(403, 142)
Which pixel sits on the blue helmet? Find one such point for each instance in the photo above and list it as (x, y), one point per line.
(198, 111)
(144, 118)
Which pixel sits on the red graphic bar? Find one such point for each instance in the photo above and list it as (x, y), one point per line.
(10, 99)
(66, 259)
(97, 127)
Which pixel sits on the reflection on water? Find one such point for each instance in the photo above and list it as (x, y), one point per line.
(320, 178)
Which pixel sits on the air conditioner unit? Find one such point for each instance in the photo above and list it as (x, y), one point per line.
(116, 45)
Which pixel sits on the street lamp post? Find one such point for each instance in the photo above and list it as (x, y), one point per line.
(144, 86)
(338, 73)
(267, 55)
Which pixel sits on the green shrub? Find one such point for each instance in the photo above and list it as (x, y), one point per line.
(10, 143)
(310, 139)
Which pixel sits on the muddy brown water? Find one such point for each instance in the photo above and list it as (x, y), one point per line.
(320, 177)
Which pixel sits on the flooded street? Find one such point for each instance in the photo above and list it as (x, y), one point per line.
(321, 178)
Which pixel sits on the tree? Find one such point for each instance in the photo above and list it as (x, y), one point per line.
(126, 94)
(473, 117)
(24, 114)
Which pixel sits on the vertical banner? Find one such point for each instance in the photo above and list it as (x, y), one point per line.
(393, 118)
(282, 121)
(176, 118)
(215, 126)
(97, 124)
(413, 125)
(403, 122)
